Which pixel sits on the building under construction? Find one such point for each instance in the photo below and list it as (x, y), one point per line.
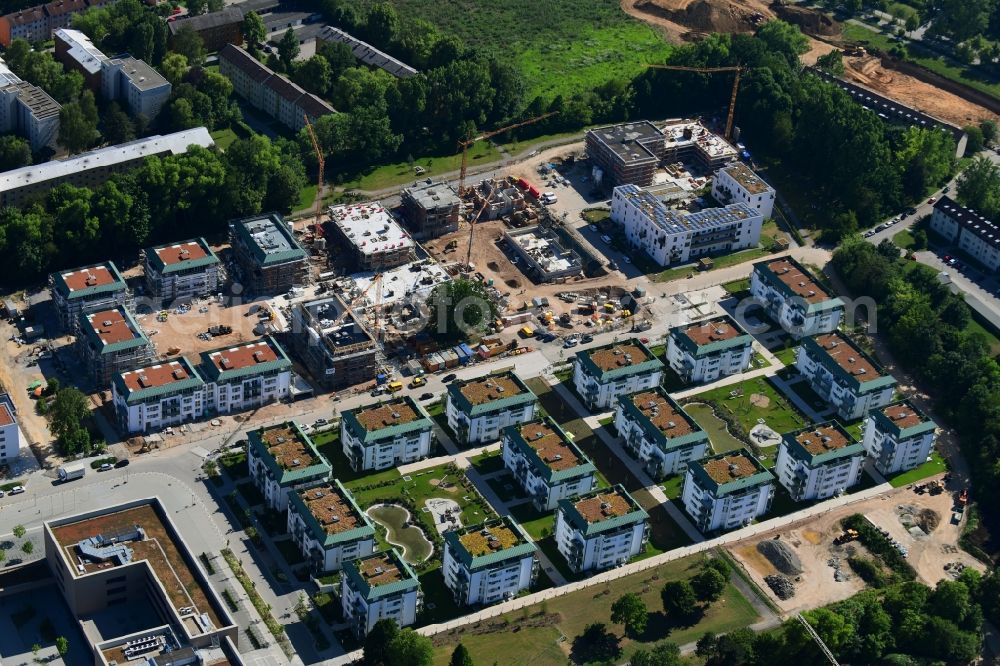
(268, 256)
(373, 239)
(690, 141)
(546, 257)
(431, 209)
(110, 342)
(497, 198)
(626, 153)
(87, 289)
(333, 345)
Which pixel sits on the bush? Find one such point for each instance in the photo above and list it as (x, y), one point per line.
(868, 571)
(110, 460)
(879, 546)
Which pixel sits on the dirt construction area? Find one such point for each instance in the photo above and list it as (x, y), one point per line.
(805, 553)
(688, 19)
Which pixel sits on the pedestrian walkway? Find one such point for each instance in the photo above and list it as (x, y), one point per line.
(728, 381)
(800, 404)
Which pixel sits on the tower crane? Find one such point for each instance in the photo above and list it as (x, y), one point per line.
(486, 135)
(376, 280)
(738, 69)
(321, 161)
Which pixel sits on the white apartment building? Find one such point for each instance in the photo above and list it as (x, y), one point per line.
(87, 289)
(726, 491)
(793, 298)
(488, 563)
(658, 433)
(245, 376)
(10, 433)
(282, 460)
(479, 409)
(381, 586)
(711, 349)
(386, 434)
(152, 398)
(737, 183)
(27, 110)
(184, 270)
(600, 530)
(601, 374)
(843, 375)
(972, 232)
(819, 461)
(546, 463)
(328, 526)
(676, 237)
(898, 437)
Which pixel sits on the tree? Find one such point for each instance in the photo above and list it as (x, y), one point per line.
(189, 44)
(630, 611)
(254, 30)
(382, 24)
(116, 125)
(595, 645)
(662, 654)
(709, 585)
(979, 186)
(377, 643)
(461, 657)
(288, 49)
(314, 75)
(408, 648)
(28, 547)
(989, 130)
(15, 152)
(77, 131)
(912, 22)
(680, 603)
(975, 140)
(460, 307)
(961, 19)
(68, 413)
(196, 7)
(832, 62)
(919, 239)
(174, 67)
(19, 531)
(784, 38)
(62, 645)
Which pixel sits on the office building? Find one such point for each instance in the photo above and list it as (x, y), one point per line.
(488, 563)
(381, 586)
(973, 233)
(677, 237)
(10, 432)
(110, 342)
(83, 290)
(625, 154)
(546, 463)
(328, 526)
(601, 374)
(794, 299)
(818, 461)
(726, 491)
(480, 408)
(182, 271)
(659, 433)
(708, 350)
(843, 375)
(373, 239)
(737, 183)
(431, 209)
(152, 398)
(336, 348)
(602, 529)
(386, 434)
(283, 460)
(269, 257)
(898, 437)
(246, 376)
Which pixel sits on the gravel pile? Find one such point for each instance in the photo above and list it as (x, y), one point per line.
(781, 556)
(781, 586)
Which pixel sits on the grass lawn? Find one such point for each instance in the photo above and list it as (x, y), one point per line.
(401, 173)
(991, 339)
(786, 356)
(517, 146)
(538, 524)
(521, 643)
(724, 261)
(673, 485)
(718, 432)
(737, 286)
(488, 463)
(935, 465)
(224, 138)
(779, 414)
(903, 239)
(307, 197)
(596, 215)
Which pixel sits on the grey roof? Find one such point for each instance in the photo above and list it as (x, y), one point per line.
(139, 73)
(227, 16)
(975, 223)
(676, 222)
(268, 239)
(367, 53)
(431, 195)
(629, 141)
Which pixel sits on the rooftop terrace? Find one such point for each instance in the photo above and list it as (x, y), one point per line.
(823, 439)
(618, 355)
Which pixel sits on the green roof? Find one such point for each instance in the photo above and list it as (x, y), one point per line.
(655, 434)
(117, 285)
(153, 259)
(365, 530)
(650, 364)
(798, 451)
(194, 380)
(706, 482)
(319, 468)
(817, 351)
(354, 426)
(455, 395)
(458, 550)
(542, 468)
(140, 339)
(369, 592)
(681, 338)
(213, 374)
(572, 515)
(885, 424)
(263, 257)
(762, 268)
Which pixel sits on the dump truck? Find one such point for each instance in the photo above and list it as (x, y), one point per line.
(846, 536)
(71, 472)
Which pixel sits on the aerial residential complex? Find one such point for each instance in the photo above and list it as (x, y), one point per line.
(282, 460)
(245, 376)
(269, 257)
(545, 463)
(488, 563)
(82, 290)
(152, 398)
(601, 529)
(658, 433)
(971, 231)
(601, 374)
(36, 24)
(386, 434)
(110, 342)
(708, 350)
(328, 526)
(431, 209)
(843, 375)
(181, 271)
(819, 461)
(794, 299)
(373, 238)
(726, 491)
(381, 586)
(676, 237)
(336, 348)
(10, 432)
(27, 110)
(90, 169)
(737, 183)
(479, 409)
(898, 437)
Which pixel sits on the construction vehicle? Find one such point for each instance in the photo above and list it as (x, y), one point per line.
(847, 536)
(936, 487)
(963, 499)
(451, 246)
(737, 69)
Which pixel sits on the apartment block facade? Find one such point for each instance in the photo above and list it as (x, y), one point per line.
(794, 299)
(381, 586)
(248, 375)
(157, 396)
(110, 342)
(386, 434)
(819, 461)
(737, 183)
(282, 460)
(726, 491)
(87, 289)
(625, 154)
(601, 374)
(182, 271)
(328, 526)
(479, 409)
(336, 348)
(972, 232)
(269, 258)
(431, 209)
(546, 463)
(844, 375)
(10, 433)
(898, 437)
(658, 433)
(711, 349)
(489, 563)
(27, 110)
(601, 529)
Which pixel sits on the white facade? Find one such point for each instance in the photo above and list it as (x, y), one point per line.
(974, 233)
(724, 506)
(138, 86)
(737, 183)
(481, 421)
(365, 602)
(662, 438)
(330, 557)
(793, 298)
(340, 532)
(486, 427)
(677, 237)
(898, 437)
(245, 393)
(10, 434)
(557, 471)
(612, 539)
(704, 352)
(843, 376)
(161, 395)
(818, 462)
(404, 436)
(602, 374)
(497, 574)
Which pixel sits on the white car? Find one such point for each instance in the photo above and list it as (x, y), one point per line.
(549, 198)
(606, 239)
(17, 490)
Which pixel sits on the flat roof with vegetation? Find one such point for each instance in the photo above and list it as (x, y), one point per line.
(493, 542)
(549, 450)
(711, 336)
(386, 420)
(730, 472)
(602, 510)
(618, 359)
(332, 514)
(821, 443)
(494, 392)
(845, 359)
(380, 575)
(902, 420)
(792, 279)
(662, 419)
(288, 452)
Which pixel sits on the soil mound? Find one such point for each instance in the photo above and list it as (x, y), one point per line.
(702, 15)
(811, 21)
(781, 556)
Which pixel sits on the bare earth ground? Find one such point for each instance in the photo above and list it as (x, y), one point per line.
(687, 19)
(180, 331)
(813, 542)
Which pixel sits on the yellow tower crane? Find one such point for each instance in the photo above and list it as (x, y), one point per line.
(321, 161)
(738, 69)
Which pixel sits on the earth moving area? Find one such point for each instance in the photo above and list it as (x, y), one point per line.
(689, 19)
(901, 512)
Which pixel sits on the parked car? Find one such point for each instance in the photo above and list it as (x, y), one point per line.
(121, 463)
(570, 342)
(628, 260)
(449, 378)
(644, 340)
(606, 239)
(547, 337)
(587, 338)
(946, 258)
(319, 422)
(426, 396)
(17, 490)
(932, 200)
(103, 468)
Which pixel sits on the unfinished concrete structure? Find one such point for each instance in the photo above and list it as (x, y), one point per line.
(543, 252)
(269, 257)
(625, 154)
(182, 270)
(497, 197)
(110, 342)
(690, 141)
(80, 290)
(373, 239)
(335, 347)
(431, 209)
